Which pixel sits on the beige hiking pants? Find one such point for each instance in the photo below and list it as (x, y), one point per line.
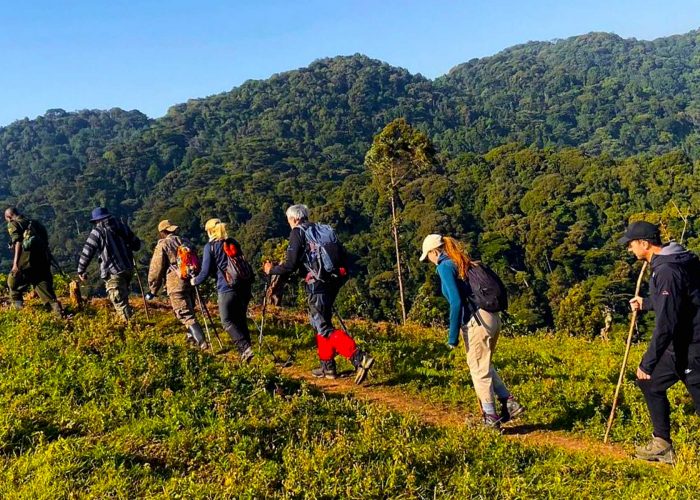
(480, 348)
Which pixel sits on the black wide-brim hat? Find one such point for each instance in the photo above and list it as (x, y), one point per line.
(99, 214)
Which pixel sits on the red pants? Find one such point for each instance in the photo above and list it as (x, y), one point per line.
(338, 342)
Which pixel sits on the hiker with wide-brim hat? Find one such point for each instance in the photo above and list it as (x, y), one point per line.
(31, 263)
(232, 297)
(479, 326)
(114, 243)
(321, 293)
(673, 353)
(167, 269)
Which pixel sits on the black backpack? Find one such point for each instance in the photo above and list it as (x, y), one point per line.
(324, 253)
(488, 290)
(238, 269)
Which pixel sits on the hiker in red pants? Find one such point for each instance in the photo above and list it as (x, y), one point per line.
(316, 253)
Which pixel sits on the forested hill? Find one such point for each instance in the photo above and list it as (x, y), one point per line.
(597, 91)
(301, 136)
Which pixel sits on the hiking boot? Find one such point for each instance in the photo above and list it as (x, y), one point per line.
(510, 409)
(364, 363)
(491, 421)
(247, 355)
(327, 370)
(195, 335)
(56, 309)
(656, 450)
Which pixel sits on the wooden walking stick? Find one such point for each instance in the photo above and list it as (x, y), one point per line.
(633, 322)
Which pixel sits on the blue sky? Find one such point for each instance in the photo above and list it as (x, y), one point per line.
(149, 55)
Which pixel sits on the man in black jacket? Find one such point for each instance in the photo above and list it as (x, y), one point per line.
(321, 296)
(674, 351)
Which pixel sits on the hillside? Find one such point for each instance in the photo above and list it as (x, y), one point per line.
(603, 130)
(114, 411)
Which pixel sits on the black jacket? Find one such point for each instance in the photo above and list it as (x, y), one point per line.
(673, 296)
(296, 252)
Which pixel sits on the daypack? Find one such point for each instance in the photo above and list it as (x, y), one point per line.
(187, 263)
(183, 259)
(238, 269)
(489, 291)
(324, 253)
(28, 237)
(31, 238)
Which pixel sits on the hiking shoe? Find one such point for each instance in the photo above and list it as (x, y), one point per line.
(363, 368)
(247, 355)
(204, 346)
(326, 370)
(492, 421)
(510, 409)
(656, 450)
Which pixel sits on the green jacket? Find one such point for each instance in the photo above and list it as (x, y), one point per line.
(37, 257)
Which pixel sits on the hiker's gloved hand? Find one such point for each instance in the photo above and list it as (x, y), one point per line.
(82, 277)
(15, 270)
(150, 296)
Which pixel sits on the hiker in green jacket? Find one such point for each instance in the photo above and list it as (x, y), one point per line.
(31, 261)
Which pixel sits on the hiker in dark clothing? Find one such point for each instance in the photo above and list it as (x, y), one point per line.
(233, 299)
(321, 296)
(31, 262)
(674, 351)
(115, 244)
(163, 270)
(480, 327)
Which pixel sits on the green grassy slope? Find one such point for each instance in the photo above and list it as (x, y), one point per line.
(90, 409)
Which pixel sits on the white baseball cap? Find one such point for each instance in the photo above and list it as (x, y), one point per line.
(431, 242)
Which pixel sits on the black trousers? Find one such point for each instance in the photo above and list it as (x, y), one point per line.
(665, 375)
(233, 309)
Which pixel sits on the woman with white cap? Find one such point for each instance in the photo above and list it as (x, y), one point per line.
(233, 298)
(482, 327)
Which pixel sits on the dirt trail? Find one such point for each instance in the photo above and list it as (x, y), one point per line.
(431, 413)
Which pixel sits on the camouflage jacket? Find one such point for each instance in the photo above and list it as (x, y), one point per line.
(163, 268)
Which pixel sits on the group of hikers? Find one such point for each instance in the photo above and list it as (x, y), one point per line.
(475, 294)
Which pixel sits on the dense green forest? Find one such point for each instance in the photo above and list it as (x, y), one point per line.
(542, 154)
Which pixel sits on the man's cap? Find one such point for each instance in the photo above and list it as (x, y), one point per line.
(98, 214)
(430, 242)
(166, 225)
(640, 230)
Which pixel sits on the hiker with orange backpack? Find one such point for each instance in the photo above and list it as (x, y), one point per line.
(315, 252)
(223, 258)
(476, 296)
(173, 263)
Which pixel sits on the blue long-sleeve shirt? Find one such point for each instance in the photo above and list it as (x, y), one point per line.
(456, 291)
(214, 262)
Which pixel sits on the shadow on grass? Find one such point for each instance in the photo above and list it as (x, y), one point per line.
(32, 433)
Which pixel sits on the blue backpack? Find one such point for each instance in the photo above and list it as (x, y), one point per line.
(324, 253)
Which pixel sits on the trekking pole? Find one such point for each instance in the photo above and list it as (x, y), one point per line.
(633, 322)
(342, 323)
(262, 314)
(143, 295)
(206, 315)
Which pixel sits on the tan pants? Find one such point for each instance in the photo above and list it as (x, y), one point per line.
(182, 303)
(480, 348)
